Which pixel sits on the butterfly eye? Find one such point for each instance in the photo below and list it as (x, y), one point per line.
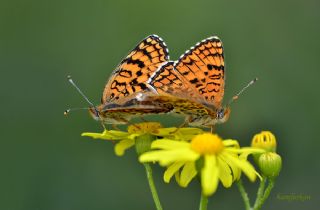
(220, 113)
(94, 112)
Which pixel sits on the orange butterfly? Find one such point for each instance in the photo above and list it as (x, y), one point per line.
(146, 82)
(129, 79)
(192, 86)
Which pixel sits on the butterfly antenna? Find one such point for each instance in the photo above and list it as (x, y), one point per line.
(85, 97)
(74, 109)
(235, 97)
(78, 89)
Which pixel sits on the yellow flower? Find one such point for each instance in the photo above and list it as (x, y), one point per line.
(154, 129)
(265, 140)
(206, 155)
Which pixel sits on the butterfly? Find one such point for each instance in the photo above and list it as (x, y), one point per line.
(193, 85)
(128, 79)
(147, 82)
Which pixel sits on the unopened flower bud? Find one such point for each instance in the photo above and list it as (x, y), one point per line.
(265, 140)
(270, 164)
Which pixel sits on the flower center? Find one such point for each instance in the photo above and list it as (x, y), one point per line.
(207, 143)
(145, 127)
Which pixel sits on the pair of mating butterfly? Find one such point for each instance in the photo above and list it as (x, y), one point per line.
(147, 82)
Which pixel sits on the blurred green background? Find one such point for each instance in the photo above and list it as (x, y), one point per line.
(47, 165)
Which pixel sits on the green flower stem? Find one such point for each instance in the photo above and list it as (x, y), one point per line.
(143, 144)
(264, 197)
(152, 186)
(244, 195)
(260, 191)
(203, 202)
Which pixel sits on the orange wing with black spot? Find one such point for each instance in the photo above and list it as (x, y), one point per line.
(203, 67)
(132, 73)
(198, 75)
(167, 81)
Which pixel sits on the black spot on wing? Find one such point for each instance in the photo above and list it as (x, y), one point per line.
(137, 62)
(143, 86)
(145, 52)
(195, 80)
(139, 73)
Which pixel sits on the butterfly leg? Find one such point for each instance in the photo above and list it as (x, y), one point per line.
(143, 119)
(180, 126)
(115, 127)
(212, 129)
(103, 125)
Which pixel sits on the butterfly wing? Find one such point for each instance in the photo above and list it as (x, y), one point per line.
(132, 73)
(167, 81)
(203, 67)
(198, 75)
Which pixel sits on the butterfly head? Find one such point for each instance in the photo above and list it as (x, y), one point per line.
(95, 113)
(223, 114)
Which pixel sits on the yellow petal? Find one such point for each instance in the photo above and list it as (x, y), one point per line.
(209, 175)
(190, 131)
(177, 177)
(173, 131)
(244, 165)
(166, 131)
(166, 157)
(107, 135)
(225, 174)
(95, 135)
(187, 174)
(252, 150)
(236, 171)
(116, 133)
(133, 136)
(249, 150)
(169, 144)
(244, 156)
(231, 143)
(187, 134)
(171, 170)
(122, 146)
